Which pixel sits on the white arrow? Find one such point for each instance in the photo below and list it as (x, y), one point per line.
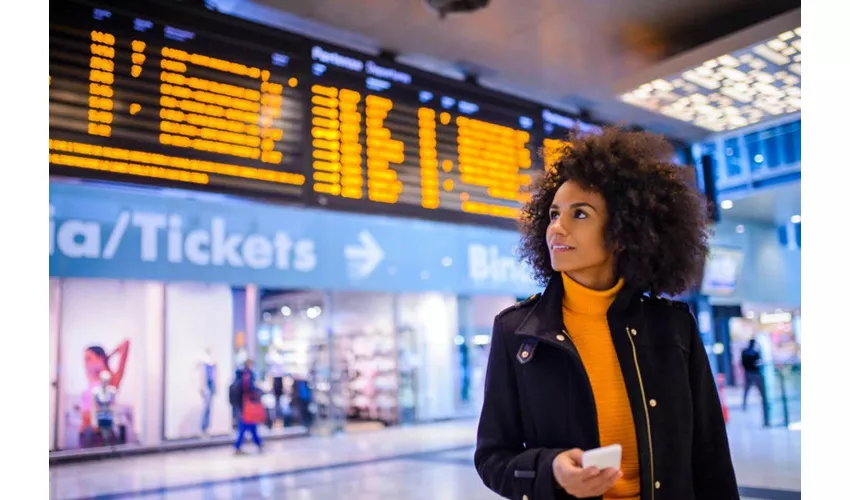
(365, 257)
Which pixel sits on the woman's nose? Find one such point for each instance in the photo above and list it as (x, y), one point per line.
(563, 223)
(559, 228)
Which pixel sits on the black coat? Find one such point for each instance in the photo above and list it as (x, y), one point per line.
(538, 400)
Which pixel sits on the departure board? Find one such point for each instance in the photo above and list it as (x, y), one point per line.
(556, 127)
(136, 98)
(386, 134)
(161, 93)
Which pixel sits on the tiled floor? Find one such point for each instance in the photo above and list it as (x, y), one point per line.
(424, 462)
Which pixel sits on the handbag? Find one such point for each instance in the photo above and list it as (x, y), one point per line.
(253, 411)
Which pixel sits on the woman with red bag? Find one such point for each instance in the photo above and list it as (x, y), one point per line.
(249, 408)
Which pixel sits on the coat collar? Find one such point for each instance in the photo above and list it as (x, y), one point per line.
(546, 317)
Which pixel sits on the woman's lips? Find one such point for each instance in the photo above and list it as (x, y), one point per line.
(561, 248)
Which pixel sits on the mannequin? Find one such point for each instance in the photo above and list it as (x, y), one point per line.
(276, 370)
(207, 387)
(103, 403)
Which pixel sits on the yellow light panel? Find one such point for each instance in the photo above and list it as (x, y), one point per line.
(79, 149)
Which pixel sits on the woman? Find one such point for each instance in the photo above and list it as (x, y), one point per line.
(598, 358)
(95, 362)
(247, 407)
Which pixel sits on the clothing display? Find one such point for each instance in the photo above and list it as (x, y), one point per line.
(104, 397)
(275, 361)
(373, 383)
(208, 374)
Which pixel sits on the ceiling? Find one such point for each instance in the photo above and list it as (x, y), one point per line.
(564, 53)
(742, 87)
(773, 205)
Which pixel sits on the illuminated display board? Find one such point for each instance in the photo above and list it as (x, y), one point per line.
(389, 135)
(556, 126)
(133, 98)
(149, 92)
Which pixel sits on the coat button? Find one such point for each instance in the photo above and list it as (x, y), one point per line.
(560, 337)
(525, 497)
(653, 403)
(524, 354)
(657, 484)
(633, 331)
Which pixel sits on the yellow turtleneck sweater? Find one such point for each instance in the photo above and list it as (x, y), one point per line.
(587, 324)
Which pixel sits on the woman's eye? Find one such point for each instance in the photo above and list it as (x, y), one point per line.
(580, 214)
(553, 215)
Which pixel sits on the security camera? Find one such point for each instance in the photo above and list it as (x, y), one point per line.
(442, 7)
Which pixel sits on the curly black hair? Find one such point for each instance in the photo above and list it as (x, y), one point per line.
(658, 221)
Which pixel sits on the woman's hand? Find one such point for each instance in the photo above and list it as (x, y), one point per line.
(579, 482)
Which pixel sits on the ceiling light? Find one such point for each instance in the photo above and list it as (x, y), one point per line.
(313, 312)
(796, 219)
(740, 229)
(727, 204)
(285, 310)
(751, 76)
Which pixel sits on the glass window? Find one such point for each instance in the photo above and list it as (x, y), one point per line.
(364, 356)
(733, 158)
(428, 355)
(755, 151)
(791, 142)
(293, 360)
(107, 394)
(198, 359)
(772, 147)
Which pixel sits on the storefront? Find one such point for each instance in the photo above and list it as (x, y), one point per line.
(775, 331)
(773, 328)
(349, 321)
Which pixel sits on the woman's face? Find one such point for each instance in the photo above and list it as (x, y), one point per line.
(576, 234)
(94, 364)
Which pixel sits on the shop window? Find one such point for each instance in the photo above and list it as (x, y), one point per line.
(199, 363)
(293, 364)
(108, 330)
(364, 345)
(428, 356)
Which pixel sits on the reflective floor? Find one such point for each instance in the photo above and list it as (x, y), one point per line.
(421, 462)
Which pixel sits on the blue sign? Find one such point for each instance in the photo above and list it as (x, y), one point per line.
(104, 232)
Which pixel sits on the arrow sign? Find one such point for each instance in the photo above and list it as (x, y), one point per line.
(365, 257)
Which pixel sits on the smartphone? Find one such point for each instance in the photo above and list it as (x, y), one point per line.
(603, 458)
